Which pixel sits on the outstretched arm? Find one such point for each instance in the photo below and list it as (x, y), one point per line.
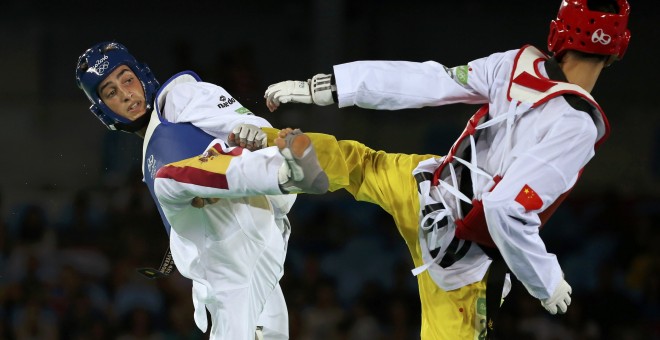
(387, 85)
(220, 172)
(230, 172)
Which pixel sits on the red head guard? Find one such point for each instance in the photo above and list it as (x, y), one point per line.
(581, 29)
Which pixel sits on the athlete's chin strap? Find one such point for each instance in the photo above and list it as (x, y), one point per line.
(135, 125)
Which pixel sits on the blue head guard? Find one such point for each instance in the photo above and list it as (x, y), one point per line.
(95, 65)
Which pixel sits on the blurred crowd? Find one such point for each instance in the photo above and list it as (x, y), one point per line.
(68, 271)
(71, 274)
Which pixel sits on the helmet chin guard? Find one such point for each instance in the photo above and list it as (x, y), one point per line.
(581, 29)
(95, 65)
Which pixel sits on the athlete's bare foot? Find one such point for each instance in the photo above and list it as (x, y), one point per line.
(306, 174)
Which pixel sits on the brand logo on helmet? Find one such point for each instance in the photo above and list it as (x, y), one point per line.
(601, 37)
(101, 65)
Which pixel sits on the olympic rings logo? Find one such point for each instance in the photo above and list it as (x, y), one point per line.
(102, 68)
(601, 37)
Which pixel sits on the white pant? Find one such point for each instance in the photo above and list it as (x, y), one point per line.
(275, 317)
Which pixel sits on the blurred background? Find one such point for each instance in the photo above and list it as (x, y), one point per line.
(76, 220)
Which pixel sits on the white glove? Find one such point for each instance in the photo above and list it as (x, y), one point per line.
(560, 299)
(247, 136)
(317, 90)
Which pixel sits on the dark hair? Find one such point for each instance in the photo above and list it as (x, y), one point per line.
(585, 55)
(607, 6)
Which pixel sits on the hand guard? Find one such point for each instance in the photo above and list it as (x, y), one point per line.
(317, 90)
(247, 136)
(560, 299)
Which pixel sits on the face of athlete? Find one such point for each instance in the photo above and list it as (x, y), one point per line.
(122, 92)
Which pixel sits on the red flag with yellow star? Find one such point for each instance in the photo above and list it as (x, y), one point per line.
(529, 199)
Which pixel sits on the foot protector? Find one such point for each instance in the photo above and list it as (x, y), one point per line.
(306, 174)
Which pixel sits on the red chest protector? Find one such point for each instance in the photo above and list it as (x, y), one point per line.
(527, 85)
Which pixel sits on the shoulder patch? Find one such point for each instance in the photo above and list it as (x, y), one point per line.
(459, 74)
(244, 111)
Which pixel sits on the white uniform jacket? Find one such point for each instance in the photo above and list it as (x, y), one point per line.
(232, 250)
(527, 151)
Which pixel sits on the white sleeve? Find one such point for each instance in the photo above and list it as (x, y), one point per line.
(209, 107)
(394, 85)
(221, 172)
(531, 184)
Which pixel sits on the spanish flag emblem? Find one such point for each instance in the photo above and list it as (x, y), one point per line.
(208, 169)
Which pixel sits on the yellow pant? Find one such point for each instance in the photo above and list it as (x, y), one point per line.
(386, 179)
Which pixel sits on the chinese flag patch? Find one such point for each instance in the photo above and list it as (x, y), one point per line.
(529, 199)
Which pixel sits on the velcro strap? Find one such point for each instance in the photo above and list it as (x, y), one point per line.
(527, 80)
